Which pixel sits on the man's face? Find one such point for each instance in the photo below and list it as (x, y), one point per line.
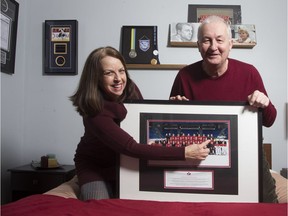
(214, 44)
(186, 33)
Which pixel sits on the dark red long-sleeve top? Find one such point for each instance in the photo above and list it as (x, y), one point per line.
(98, 152)
(239, 81)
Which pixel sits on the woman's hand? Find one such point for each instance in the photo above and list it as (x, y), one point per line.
(197, 151)
(179, 97)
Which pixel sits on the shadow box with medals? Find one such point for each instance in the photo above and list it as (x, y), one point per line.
(60, 47)
(139, 45)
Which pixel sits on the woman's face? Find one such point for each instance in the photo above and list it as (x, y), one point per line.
(114, 77)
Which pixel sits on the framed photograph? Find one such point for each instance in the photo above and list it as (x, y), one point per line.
(230, 173)
(231, 13)
(9, 23)
(61, 41)
(183, 34)
(139, 45)
(243, 35)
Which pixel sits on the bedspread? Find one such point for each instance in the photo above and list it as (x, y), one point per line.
(38, 205)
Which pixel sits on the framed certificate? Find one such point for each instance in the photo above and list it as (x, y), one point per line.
(9, 23)
(230, 173)
(139, 45)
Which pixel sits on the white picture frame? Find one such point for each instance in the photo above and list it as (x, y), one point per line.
(248, 139)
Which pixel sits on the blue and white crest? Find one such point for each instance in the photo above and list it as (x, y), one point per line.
(144, 43)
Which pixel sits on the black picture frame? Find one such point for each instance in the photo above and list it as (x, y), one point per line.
(198, 12)
(61, 47)
(227, 181)
(139, 44)
(9, 24)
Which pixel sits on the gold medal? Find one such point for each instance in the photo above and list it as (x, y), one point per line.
(154, 61)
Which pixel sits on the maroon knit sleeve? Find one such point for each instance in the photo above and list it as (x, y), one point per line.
(120, 141)
(269, 113)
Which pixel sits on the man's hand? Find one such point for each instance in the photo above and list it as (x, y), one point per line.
(258, 99)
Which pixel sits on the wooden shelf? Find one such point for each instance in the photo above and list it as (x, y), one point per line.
(156, 67)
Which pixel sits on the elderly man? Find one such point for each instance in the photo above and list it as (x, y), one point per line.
(218, 77)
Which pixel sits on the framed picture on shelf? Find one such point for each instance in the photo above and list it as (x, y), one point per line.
(139, 45)
(9, 23)
(231, 13)
(243, 35)
(183, 34)
(235, 131)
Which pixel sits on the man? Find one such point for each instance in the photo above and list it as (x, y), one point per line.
(184, 32)
(217, 77)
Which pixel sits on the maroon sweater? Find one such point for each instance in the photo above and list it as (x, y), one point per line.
(98, 152)
(239, 81)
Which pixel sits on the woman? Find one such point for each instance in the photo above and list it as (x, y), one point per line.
(104, 85)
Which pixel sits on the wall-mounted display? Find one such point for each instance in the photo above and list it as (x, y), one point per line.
(139, 45)
(60, 47)
(231, 13)
(9, 22)
(235, 134)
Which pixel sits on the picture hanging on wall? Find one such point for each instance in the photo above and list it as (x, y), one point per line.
(139, 45)
(231, 13)
(9, 22)
(61, 47)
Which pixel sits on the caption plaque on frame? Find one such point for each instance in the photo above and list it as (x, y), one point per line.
(230, 173)
(60, 47)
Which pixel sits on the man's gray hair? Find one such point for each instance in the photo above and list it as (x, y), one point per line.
(213, 19)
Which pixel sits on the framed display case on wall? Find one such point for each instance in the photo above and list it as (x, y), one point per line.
(139, 45)
(60, 40)
(9, 23)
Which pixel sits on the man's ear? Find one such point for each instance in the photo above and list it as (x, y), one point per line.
(230, 44)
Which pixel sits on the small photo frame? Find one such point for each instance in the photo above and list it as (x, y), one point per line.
(183, 34)
(243, 35)
(61, 41)
(9, 23)
(139, 45)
